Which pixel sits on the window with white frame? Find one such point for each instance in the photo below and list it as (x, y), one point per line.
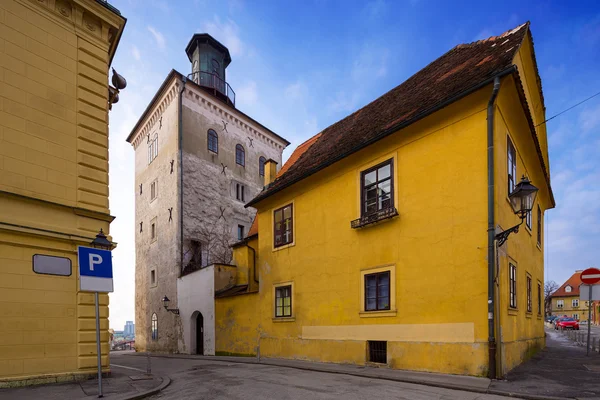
(512, 286)
(576, 316)
(154, 189)
(560, 303)
(575, 302)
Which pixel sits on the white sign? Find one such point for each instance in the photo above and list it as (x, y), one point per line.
(584, 292)
(95, 270)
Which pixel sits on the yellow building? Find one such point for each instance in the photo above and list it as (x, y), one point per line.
(54, 60)
(371, 244)
(566, 301)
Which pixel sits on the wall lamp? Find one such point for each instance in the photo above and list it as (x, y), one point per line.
(119, 83)
(166, 302)
(521, 200)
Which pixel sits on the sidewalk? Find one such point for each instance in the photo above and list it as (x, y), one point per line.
(122, 385)
(562, 369)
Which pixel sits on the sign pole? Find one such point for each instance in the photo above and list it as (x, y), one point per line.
(589, 319)
(99, 347)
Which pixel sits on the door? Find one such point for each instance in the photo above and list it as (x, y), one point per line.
(200, 334)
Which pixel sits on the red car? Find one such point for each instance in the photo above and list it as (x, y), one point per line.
(567, 323)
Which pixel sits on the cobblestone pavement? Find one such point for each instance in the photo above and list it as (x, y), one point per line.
(207, 380)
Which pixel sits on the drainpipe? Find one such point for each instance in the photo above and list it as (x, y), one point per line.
(180, 134)
(491, 230)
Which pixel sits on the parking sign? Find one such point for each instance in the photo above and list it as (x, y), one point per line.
(95, 270)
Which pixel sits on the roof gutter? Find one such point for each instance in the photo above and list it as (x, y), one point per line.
(388, 132)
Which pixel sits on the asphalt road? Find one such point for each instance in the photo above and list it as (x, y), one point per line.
(207, 380)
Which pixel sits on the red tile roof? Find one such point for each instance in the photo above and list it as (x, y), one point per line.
(464, 68)
(574, 281)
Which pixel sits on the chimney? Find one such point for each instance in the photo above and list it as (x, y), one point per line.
(270, 171)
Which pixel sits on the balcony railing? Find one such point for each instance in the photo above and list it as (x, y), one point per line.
(374, 217)
(211, 81)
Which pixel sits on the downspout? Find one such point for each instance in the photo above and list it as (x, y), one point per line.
(491, 230)
(180, 136)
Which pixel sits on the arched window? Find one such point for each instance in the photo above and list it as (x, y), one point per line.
(154, 327)
(240, 155)
(261, 166)
(213, 141)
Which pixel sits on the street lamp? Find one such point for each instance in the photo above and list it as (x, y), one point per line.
(113, 91)
(521, 201)
(166, 302)
(101, 242)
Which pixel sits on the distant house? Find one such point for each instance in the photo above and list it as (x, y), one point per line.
(565, 300)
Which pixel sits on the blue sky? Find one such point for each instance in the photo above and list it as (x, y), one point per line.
(299, 67)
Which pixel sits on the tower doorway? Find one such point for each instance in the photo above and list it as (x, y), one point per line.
(200, 334)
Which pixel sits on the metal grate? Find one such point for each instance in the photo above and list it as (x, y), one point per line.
(378, 352)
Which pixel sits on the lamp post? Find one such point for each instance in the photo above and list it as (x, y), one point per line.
(166, 302)
(100, 242)
(521, 200)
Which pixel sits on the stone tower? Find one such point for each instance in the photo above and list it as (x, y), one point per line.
(198, 160)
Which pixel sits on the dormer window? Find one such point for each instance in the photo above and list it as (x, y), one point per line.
(568, 289)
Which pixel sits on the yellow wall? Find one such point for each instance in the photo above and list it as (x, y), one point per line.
(522, 332)
(440, 295)
(54, 60)
(579, 312)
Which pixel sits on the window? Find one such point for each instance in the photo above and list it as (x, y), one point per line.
(529, 301)
(576, 316)
(568, 289)
(539, 225)
(560, 303)
(153, 190)
(377, 291)
(152, 148)
(215, 67)
(575, 303)
(196, 253)
(154, 327)
(377, 188)
(213, 141)
(283, 301)
(539, 287)
(512, 286)
(153, 229)
(283, 225)
(378, 352)
(528, 220)
(239, 192)
(512, 165)
(51, 265)
(240, 155)
(240, 232)
(261, 166)
(153, 277)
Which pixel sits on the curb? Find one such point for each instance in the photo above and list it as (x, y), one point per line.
(166, 381)
(442, 385)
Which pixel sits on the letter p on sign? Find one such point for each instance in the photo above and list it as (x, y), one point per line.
(95, 259)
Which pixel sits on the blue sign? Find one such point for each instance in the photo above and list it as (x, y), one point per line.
(95, 269)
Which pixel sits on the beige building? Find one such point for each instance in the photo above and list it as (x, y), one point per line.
(566, 301)
(198, 160)
(54, 103)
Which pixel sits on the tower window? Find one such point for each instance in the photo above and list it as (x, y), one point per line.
(240, 155)
(216, 67)
(239, 192)
(153, 277)
(154, 189)
(213, 141)
(261, 166)
(240, 232)
(154, 327)
(153, 148)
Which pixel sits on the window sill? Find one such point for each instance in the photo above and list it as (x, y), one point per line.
(374, 218)
(513, 311)
(539, 246)
(528, 314)
(528, 229)
(284, 319)
(285, 246)
(375, 314)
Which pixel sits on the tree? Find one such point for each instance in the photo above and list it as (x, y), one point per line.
(549, 288)
(212, 244)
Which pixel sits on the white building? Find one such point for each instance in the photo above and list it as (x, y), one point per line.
(198, 159)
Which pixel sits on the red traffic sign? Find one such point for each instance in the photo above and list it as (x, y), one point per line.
(590, 276)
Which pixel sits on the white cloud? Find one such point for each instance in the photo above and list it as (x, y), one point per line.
(344, 102)
(247, 94)
(371, 63)
(160, 39)
(135, 52)
(295, 91)
(226, 32)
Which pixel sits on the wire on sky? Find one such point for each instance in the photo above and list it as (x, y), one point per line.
(570, 108)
